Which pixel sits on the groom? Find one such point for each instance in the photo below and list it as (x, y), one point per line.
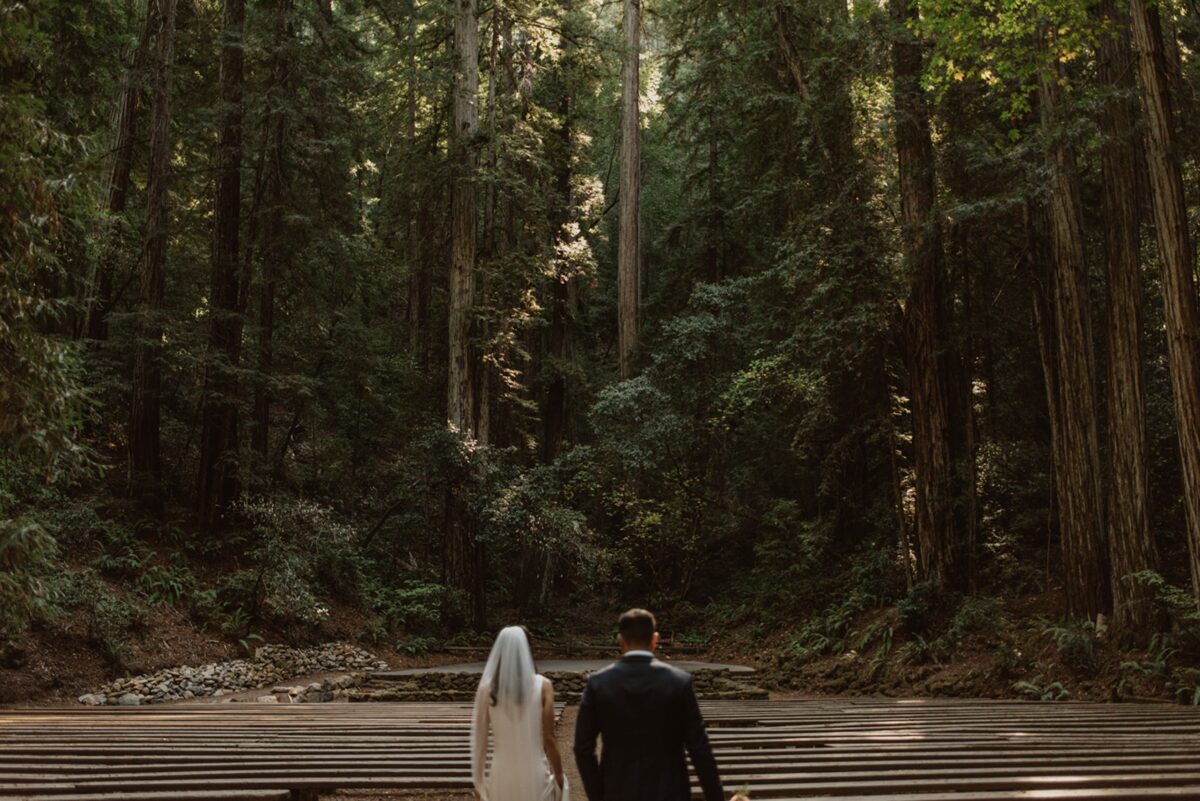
(647, 715)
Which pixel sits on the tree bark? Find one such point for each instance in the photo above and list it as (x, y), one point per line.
(629, 242)
(1131, 546)
(554, 416)
(1081, 518)
(460, 402)
(124, 132)
(275, 247)
(1175, 252)
(217, 483)
(941, 540)
(420, 284)
(462, 556)
(144, 452)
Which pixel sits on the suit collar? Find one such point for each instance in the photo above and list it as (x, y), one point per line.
(637, 656)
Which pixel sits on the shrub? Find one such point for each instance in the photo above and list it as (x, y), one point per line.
(302, 551)
(27, 555)
(1076, 645)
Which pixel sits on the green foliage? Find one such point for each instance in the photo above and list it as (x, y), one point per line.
(1033, 688)
(166, 586)
(416, 645)
(1076, 642)
(414, 605)
(27, 561)
(302, 551)
(1177, 604)
(109, 616)
(42, 401)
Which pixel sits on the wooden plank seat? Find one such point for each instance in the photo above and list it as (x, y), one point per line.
(865, 749)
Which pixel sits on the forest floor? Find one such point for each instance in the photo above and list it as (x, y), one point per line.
(1015, 653)
(983, 647)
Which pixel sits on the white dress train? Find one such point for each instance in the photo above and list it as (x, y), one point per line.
(519, 770)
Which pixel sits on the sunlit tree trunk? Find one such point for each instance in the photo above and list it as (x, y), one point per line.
(1081, 518)
(1175, 252)
(629, 242)
(217, 484)
(144, 453)
(941, 551)
(1131, 546)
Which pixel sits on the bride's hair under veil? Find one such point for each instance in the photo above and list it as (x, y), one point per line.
(509, 703)
(502, 662)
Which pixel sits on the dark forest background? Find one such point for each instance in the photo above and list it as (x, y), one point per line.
(835, 330)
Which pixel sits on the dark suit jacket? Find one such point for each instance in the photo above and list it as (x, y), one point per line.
(647, 715)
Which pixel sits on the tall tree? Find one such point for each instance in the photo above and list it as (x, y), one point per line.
(125, 117)
(217, 480)
(554, 415)
(629, 244)
(460, 398)
(145, 458)
(1131, 546)
(939, 537)
(462, 551)
(1178, 260)
(275, 246)
(1080, 516)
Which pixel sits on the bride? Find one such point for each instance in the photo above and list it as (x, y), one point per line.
(518, 706)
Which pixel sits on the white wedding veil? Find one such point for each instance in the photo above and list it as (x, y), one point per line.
(508, 702)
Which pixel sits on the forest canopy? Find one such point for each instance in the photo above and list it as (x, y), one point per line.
(757, 313)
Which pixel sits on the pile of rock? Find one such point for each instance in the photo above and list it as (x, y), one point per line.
(710, 684)
(270, 664)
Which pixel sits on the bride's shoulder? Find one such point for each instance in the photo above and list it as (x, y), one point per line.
(545, 683)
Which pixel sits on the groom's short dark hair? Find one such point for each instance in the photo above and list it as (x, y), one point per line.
(637, 626)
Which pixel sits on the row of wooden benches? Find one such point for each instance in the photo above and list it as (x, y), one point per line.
(877, 750)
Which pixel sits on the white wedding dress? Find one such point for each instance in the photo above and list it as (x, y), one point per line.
(519, 770)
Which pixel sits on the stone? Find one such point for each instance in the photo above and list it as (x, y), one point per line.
(92, 699)
(267, 699)
(130, 699)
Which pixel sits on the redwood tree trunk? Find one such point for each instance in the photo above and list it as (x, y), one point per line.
(217, 484)
(629, 242)
(124, 132)
(460, 402)
(144, 454)
(1175, 252)
(1131, 546)
(555, 413)
(462, 557)
(275, 246)
(940, 539)
(1080, 517)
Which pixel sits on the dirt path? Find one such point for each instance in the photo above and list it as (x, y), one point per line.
(566, 744)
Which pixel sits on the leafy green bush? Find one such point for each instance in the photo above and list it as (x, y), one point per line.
(916, 609)
(303, 554)
(415, 605)
(27, 559)
(1076, 643)
(110, 617)
(166, 586)
(975, 615)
